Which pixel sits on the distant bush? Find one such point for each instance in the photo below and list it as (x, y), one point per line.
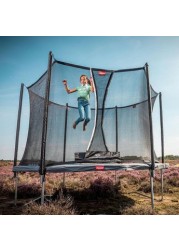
(172, 157)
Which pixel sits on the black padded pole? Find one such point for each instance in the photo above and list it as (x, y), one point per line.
(116, 129)
(65, 133)
(18, 124)
(103, 108)
(161, 127)
(150, 118)
(64, 143)
(96, 111)
(99, 114)
(45, 116)
(151, 136)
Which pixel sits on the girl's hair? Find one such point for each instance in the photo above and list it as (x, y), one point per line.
(88, 81)
(82, 76)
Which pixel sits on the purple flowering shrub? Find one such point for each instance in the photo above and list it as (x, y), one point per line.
(171, 176)
(99, 184)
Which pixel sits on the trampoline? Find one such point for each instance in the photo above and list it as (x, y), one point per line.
(119, 135)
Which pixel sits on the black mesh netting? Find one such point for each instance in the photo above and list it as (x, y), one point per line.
(119, 127)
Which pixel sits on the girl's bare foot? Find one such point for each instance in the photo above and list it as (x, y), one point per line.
(74, 125)
(84, 126)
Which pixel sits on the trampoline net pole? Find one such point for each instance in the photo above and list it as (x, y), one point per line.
(65, 139)
(17, 141)
(161, 127)
(116, 129)
(45, 117)
(150, 118)
(65, 133)
(162, 141)
(18, 125)
(151, 137)
(103, 108)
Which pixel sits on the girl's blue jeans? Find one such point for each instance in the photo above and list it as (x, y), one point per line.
(84, 111)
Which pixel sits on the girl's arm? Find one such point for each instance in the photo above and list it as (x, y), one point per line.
(92, 88)
(69, 91)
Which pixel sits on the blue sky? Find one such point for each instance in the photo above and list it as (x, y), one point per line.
(24, 59)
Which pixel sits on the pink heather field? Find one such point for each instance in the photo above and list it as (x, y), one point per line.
(108, 193)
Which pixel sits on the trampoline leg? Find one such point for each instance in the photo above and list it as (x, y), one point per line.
(16, 186)
(152, 187)
(42, 178)
(63, 180)
(161, 184)
(115, 177)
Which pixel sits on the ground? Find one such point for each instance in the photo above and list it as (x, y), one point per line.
(113, 193)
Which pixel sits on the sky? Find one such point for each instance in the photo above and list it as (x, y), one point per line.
(25, 59)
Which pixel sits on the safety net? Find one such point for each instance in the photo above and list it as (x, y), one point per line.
(119, 129)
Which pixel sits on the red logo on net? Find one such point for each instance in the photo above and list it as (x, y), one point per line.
(99, 167)
(101, 73)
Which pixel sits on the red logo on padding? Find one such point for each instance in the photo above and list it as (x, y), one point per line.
(100, 167)
(101, 73)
